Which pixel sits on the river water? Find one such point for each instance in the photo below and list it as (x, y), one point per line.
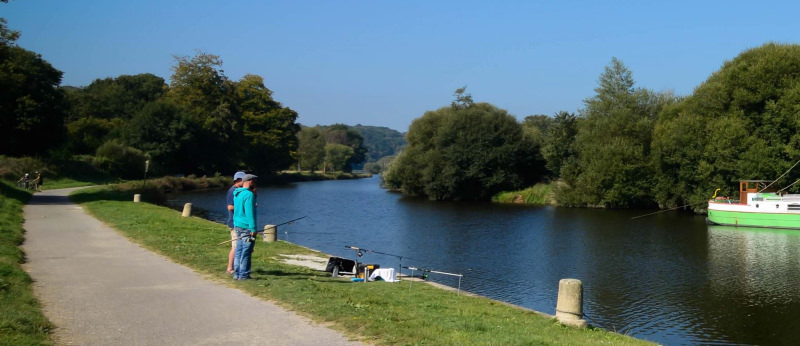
(667, 278)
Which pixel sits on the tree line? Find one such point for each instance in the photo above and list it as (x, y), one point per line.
(628, 146)
(201, 122)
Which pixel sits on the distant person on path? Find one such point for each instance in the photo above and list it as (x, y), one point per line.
(244, 222)
(237, 183)
(25, 180)
(37, 183)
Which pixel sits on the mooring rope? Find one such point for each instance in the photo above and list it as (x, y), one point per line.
(790, 185)
(779, 178)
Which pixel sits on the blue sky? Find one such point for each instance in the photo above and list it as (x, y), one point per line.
(385, 63)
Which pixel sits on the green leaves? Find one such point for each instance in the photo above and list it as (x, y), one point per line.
(612, 167)
(741, 123)
(464, 153)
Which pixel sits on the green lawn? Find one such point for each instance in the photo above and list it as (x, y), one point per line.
(21, 319)
(381, 313)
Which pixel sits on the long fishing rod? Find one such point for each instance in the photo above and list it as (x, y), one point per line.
(271, 227)
(360, 252)
(661, 211)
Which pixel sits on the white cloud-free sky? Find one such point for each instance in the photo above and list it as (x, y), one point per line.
(384, 63)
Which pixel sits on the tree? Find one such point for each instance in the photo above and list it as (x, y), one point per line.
(311, 148)
(558, 148)
(199, 85)
(98, 112)
(31, 116)
(270, 131)
(85, 135)
(165, 134)
(344, 135)
(612, 168)
(463, 100)
(465, 153)
(741, 123)
(337, 156)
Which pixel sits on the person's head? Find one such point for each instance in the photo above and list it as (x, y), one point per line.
(237, 178)
(249, 181)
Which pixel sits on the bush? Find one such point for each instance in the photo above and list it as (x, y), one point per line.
(121, 160)
(12, 169)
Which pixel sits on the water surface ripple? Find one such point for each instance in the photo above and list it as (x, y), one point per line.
(667, 278)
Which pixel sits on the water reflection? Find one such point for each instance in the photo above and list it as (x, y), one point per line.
(668, 277)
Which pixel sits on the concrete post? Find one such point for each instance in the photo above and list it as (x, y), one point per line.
(137, 198)
(270, 233)
(187, 210)
(569, 307)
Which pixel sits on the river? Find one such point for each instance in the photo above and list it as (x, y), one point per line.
(667, 278)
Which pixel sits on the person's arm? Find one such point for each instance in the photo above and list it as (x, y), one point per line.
(255, 213)
(250, 212)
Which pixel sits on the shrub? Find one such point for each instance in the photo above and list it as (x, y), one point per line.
(121, 160)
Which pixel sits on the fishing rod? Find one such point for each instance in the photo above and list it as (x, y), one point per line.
(271, 227)
(360, 252)
(663, 211)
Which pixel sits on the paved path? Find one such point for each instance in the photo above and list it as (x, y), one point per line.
(101, 289)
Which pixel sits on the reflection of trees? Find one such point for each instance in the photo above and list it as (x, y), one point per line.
(753, 283)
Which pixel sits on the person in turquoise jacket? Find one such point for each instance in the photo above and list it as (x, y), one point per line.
(245, 224)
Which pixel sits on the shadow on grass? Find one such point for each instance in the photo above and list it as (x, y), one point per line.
(8, 190)
(112, 194)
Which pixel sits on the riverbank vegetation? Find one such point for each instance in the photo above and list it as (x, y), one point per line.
(378, 312)
(629, 146)
(21, 319)
(539, 194)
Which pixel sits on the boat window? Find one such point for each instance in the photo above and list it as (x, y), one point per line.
(793, 207)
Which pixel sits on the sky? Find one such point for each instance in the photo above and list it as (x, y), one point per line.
(385, 63)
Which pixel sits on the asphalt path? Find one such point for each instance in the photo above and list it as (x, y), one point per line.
(99, 288)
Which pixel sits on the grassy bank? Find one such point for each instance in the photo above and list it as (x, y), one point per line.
(21, 319)
(539, 194)
(381, 313)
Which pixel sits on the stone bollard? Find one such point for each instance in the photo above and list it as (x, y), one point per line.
(137, 198)
(270, 233)
(569, 307)
(187, 210)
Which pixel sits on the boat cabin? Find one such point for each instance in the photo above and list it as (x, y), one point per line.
(753, 186)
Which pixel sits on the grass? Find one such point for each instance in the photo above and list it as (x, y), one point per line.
(381, 313)
(539, 194)
(21, 319)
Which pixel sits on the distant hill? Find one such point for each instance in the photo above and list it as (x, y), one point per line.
(381, 141)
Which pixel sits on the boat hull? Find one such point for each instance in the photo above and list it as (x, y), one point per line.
(751, 216)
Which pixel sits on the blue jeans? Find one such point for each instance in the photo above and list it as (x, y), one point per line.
(244, 250)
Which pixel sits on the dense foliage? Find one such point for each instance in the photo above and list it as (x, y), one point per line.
(31, 105)
(612, 166)
(743, 122)
(465, 152)
(338, 147)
